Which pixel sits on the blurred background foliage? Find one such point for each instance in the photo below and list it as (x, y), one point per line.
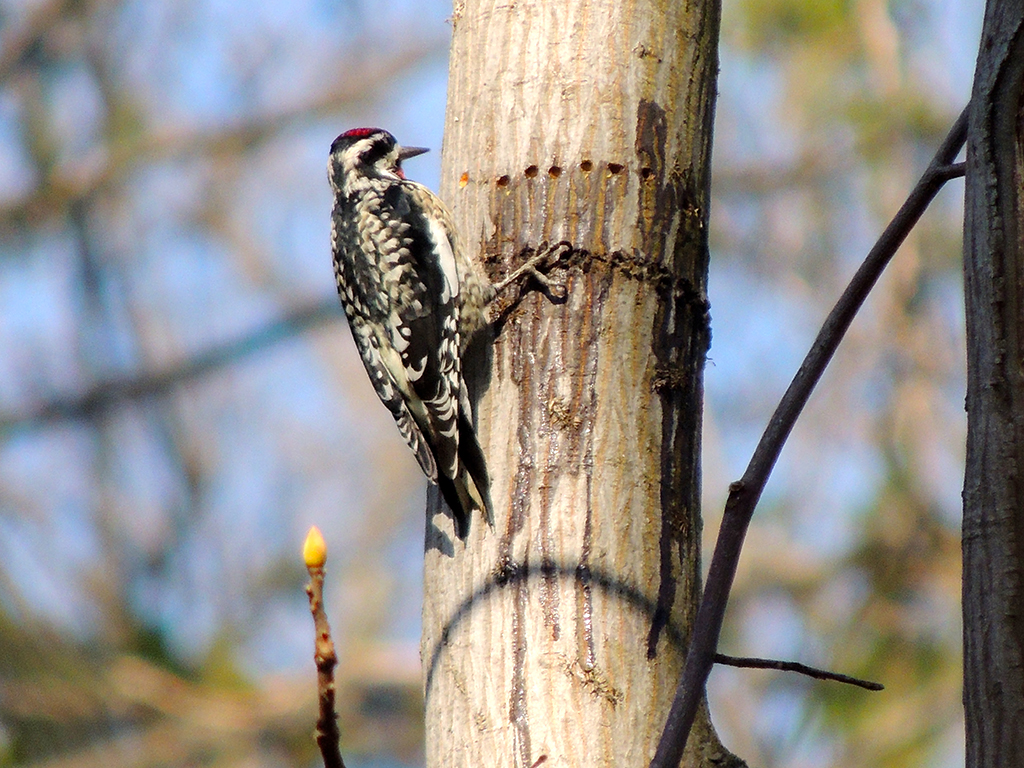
(180, 398)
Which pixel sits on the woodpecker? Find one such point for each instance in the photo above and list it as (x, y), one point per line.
(412, 299)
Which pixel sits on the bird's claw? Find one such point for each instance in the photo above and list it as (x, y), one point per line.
(553, 253)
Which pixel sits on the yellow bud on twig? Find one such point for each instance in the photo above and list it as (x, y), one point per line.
(314, 549)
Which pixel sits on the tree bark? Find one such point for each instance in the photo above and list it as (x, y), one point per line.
(993, 526)
(561, 630)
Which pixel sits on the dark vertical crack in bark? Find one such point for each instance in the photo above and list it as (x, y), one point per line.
(580, 429)
(584, 595)
(517, 709)
(555, 354)
(523, 366)
(670, 234)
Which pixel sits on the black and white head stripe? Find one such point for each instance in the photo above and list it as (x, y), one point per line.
(371, 152)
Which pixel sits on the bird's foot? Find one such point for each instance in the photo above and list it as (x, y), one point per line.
(547, 255)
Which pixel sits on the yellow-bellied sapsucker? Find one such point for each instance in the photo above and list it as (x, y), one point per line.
(412, 299)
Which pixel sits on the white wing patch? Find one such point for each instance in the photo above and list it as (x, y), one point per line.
(444, 251)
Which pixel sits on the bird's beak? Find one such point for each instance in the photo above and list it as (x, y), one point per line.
(404, 153)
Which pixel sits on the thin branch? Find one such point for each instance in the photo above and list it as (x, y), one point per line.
(745, 493)
(101, 397)
(951, 171)
(747, 662)
(328, 737)
(57, 192)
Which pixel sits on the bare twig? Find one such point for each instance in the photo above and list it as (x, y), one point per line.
(951, 171)
(746, 662)
(328, 738)
(745, 493)
(55, 193)
(109, 393)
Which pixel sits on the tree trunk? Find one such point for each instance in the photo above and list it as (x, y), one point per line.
(993, 528)
(561, 631)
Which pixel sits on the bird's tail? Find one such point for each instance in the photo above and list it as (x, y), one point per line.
(470, 488)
